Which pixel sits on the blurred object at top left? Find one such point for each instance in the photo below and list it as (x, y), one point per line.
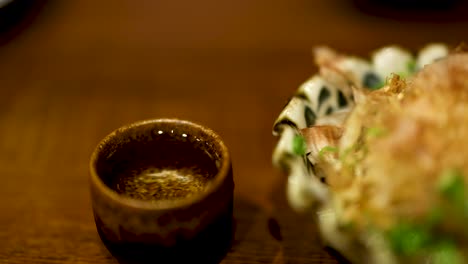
(15, 15)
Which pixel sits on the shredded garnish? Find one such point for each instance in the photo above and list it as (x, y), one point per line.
(299, 145)
(327, 149)
(396, 160)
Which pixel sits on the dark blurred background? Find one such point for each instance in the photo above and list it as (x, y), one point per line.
(255, 27)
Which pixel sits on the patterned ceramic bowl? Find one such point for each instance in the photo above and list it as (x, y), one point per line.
(325, 99)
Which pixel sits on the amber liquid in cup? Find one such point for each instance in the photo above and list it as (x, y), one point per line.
(176, 171)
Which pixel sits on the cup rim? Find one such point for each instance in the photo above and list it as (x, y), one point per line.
(128, 201)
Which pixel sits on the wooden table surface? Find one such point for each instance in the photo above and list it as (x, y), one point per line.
(72, 71)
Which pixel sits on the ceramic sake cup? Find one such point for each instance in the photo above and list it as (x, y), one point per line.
(162, 186)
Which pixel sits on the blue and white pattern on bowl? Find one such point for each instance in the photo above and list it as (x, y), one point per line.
(325, 99)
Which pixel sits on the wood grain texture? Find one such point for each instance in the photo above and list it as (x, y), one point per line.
(76, 70)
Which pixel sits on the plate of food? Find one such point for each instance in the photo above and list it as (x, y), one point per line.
(376, 150)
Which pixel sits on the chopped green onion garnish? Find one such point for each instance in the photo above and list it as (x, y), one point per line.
(403, 75)
(407, 239)
(465, 208)
(435, 216)
(411, 66)
(452, 186)
(299, 145)
(345, 153)
(446, 253)
(375, 131)
(327, 149)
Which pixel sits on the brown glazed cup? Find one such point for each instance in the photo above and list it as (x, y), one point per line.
(162, 191)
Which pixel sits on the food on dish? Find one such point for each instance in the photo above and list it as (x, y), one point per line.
(390, 172)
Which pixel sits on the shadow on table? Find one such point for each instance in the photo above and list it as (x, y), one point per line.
(298, 234)
(245, 214)
(16, 16)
